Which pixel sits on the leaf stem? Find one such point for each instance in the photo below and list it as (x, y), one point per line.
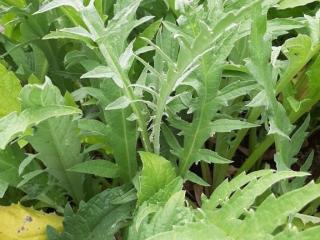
(129, 93)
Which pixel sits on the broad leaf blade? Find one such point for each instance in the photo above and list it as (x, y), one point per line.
(157, 172)
(58, 145)
(9, 91)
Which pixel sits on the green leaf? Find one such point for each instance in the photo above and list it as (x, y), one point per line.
(194, 178)
(282, 26)
(10, 159)
(209, 156)
(120, 26)
(274, 212)
(58, 145)
(313, 85)
(17, 3)
(103, 72)
(166, 191)
(100, 168)
(75, 33)
(161, 53)
(289, 149)
(26, 162)
(112, 45)
(39, 65)
(243, 199)
(120, 103)
(225, 189)
(77, 4)
(284, 4)
(93, 127)
(33, 79)
(242, 217)
(219, 43)
(141, 215)
(260, 100)
(314, 25)
(99, 72)
(300, 182)
(98, 219)
(9, 91)
(237, 89)
(3, 188)
(170, 137)
(33, 95)
(152, 219)
(298, 51)
(228, 125)
(39, 103)
(263, 72)
(303, 235)
(192, 231)
(14, 125)
(156, 173)
(148, 33)
(122, 132)
(127, 57)
(295, 104)
(29, 176)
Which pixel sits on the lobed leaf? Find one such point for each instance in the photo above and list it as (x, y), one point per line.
(99, 218)
(13, 125)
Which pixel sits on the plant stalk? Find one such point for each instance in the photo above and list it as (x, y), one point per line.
(95, 25)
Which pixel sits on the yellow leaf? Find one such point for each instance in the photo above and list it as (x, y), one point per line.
(21, 223)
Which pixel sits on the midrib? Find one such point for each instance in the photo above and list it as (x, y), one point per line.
(123, 120)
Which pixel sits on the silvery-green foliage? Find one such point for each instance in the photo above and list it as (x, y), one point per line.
(189, 76)
(233, 212)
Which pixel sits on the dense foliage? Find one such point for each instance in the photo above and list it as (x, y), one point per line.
(146, 119)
